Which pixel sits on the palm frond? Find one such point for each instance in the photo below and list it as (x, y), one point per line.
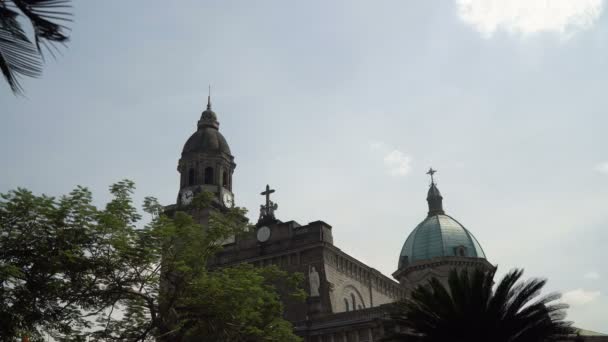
(48, 18)
(524, 293)
(503, 293)
(470, 308)
(18, 56)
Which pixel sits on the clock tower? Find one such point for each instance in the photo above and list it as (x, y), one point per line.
(206, 163)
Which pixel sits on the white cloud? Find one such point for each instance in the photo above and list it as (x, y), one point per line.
(580, 297)
(592, 275)
(602, 167)
(525, 17)
(397, 163)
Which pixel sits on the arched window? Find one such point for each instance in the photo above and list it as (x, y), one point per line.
(346, 305)
(352, 296)
(209, 175)
(461, 251)
(191, 177)
(225, 179)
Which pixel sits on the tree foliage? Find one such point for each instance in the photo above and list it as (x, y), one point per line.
(72, 270)
(20, 55)
(46, 268)
(471, 309)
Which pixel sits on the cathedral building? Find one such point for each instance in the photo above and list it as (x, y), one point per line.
(347, 299)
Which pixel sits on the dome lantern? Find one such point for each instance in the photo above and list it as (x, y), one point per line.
(208, 117)
(433, 197)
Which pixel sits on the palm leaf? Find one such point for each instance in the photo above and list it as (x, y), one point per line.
(47, 18)
(470, 309)
(18, 56)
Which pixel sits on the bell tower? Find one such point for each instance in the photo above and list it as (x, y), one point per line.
(206, 163)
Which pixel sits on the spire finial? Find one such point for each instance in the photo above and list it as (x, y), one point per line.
(432, 172)
(209, 99)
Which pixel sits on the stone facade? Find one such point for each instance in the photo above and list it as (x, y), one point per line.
(346, 284)
(354, 285)
(353, 298)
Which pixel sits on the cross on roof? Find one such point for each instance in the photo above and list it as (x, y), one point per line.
(432, 172)
(267, 194)
(267, 211)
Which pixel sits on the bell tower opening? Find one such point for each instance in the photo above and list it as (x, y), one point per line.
(209, 175)
(191, 176)
(225, 180)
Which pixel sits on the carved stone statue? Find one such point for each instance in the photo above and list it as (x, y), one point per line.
(262, 212)
(315, 282)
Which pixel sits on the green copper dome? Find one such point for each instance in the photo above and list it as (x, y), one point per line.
(439, 235)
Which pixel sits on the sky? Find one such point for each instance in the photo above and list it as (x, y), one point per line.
(342, 107)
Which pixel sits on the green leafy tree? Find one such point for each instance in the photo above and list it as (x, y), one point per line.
(46, 268)
(471, 309)
(20, 55)
(234, 304)
(70, 269)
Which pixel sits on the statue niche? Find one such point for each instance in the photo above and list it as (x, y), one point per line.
(315, 281)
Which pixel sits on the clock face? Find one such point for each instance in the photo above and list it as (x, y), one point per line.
(227, 199)
(263, 234)
(187, 197)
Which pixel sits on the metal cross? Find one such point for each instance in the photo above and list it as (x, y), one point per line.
(431, 172)
(267, 194)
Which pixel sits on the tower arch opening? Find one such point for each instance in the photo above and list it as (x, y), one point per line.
(209, 175)
(191, 176)
(225, 180)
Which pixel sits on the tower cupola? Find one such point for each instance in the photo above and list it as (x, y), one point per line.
(208, 117)
(206, 163)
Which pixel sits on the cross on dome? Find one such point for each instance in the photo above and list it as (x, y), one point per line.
(431, 172)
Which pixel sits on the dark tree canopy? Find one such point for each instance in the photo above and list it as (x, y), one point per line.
(471, 309)
(19, 54)
(70, 269)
